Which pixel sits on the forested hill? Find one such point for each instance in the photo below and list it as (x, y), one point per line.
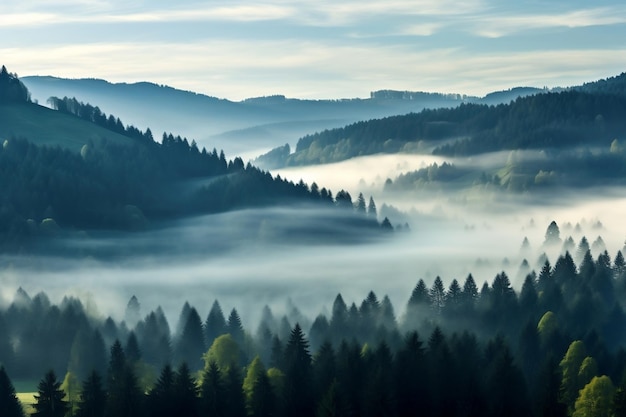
(120, 178)
(591, 116)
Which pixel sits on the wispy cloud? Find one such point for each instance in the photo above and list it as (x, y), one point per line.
(494, 26)
(240, 69)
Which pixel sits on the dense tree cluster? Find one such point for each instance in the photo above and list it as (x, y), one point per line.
(125, 186)
(557, 347)
(587, 116)
(578, 168)
(11, 88)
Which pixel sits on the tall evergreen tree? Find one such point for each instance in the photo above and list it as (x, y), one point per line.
(190, 347)
(49, 398)
(124, 397)
(371, 209)
(185, 393)
(212, 392)
(215, 324)
(298, 380)
(10, 405)
(161, 398)
(235, 328)
(235, 402)
(93, 397)
(437, 296)
(360, 204)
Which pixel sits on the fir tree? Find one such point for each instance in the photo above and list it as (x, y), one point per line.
(49, 398)
(10, 405)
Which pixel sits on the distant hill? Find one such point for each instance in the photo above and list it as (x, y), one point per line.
(589, 115)
(247, 127)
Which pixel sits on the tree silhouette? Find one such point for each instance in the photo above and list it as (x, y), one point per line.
(215, 324)
(93, 397)
(9, 404)
(49, 398)
(298, 380)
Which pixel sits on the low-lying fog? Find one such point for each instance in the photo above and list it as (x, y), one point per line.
(219, 257)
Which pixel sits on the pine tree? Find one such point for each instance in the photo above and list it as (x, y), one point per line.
(185, 393)
(215, 324)
(235, 328)
(190, 347)
(360, 204)
(418, 306)
(161, 398)
(124, 397)
(437, 296)
(10, 405)
(132, 316)
(235, 402)
(212, 392)
(93, 397)
(49, 398)
(298, 381)
(371, 209)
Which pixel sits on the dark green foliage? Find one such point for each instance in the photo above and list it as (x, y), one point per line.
(409, 364)
(154, 340)
(93, 397)
(133, 354)
(263, 400)
(234, 398)
(191, 347)
(11, 88)
(49, 398)
(9, 404)
(215, 324)
(185, 393)
(363, 366)
(330, 403)
(505, 383)
(212, 392)
(298, 375)
(161, 398)
(234, 327)
(552, 120)
(124, 397)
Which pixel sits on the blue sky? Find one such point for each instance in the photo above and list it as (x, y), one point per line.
(317, 48)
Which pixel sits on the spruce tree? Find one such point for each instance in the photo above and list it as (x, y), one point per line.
(298, 380)
(215, 324)
(10, 405)
(161, 398)
(93, 397)
(49, 397)
(212, 392)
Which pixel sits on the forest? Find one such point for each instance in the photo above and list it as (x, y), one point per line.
(556, 347)
(586, 116)
(132, 185)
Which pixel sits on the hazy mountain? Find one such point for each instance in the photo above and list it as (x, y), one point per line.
(249, 127)
(590, 115)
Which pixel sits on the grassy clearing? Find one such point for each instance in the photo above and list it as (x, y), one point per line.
(44, 126)
(27, 399)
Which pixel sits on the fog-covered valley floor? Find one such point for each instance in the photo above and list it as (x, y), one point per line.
(241, 260)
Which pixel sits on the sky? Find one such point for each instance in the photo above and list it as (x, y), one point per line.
(317, 48)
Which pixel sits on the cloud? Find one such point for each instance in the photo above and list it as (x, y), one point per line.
(495, 26)
(308, 69)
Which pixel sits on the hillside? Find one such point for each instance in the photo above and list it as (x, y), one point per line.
(591, 115)
(44, 126)
(76, 169)
(249, 126)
